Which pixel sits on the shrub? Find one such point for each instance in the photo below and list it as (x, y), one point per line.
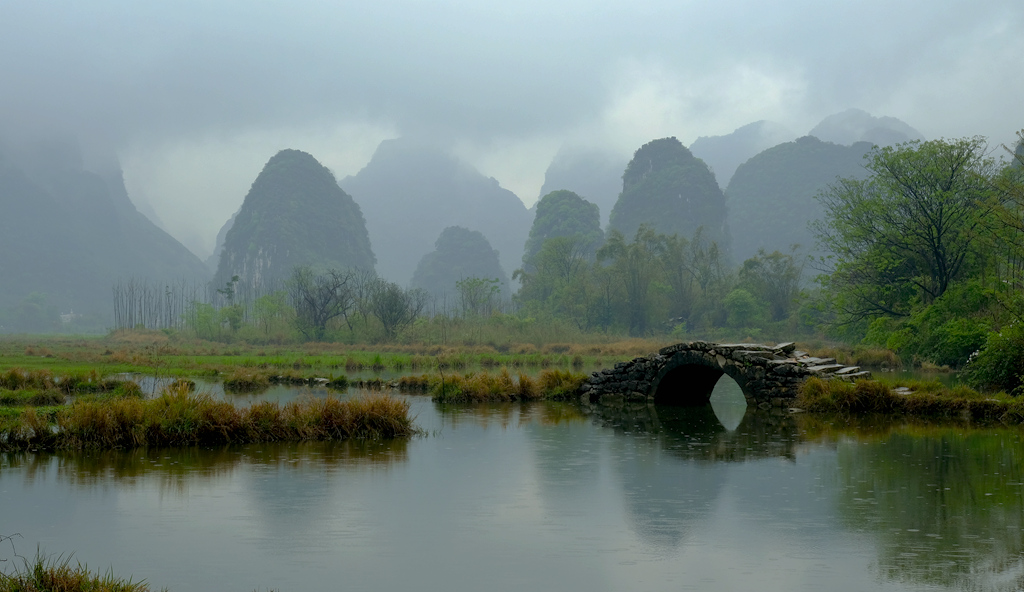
(999, 364)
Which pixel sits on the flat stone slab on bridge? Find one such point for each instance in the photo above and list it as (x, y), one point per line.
(686, 373)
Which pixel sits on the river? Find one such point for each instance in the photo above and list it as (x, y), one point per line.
(544, 497)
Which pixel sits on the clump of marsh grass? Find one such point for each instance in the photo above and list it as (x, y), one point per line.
(560, 384)
(421, 383)
(53, 574)
(180, 418)
(485, 387)
(31, 398)
(246, 381)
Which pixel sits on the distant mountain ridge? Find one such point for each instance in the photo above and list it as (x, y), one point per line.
(772, 195)
(723, 154)
(72, 233)
(411, 191)
(855, 125)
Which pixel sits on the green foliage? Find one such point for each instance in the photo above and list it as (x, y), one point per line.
(478, 296)
(395, 307)
(774, 279)
(904, 235)
(999, 365)
(203, 319)
(742, 309)
(635, 267)
(564, 214)
(945, 332)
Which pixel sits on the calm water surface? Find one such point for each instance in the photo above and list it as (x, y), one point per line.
(543, 497)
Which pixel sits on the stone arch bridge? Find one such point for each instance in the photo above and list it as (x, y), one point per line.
(686, 374)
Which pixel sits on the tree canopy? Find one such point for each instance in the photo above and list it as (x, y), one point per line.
(563, 214)
(905, 234)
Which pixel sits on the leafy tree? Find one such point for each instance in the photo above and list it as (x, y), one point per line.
(477, 296)
(564, 214)
(202, 318)
(395, 307)
(318, 299)
(270, 309)
(742, 308)
(635, 267)
(773, 278)
(560, 284)
(910, 230)
(694, 271)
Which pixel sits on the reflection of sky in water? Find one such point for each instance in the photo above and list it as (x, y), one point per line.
(496, 498)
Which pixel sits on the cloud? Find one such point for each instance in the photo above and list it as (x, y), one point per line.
(152, 81)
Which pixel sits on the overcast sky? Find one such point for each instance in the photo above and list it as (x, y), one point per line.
(193, 97)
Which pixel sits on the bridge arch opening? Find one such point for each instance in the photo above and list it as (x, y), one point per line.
(689, 379)
(686, 385)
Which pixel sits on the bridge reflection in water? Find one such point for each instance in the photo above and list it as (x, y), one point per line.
(697, 433)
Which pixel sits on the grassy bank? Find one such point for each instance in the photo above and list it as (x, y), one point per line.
(914, 399)
(178, 417)
(154, 353)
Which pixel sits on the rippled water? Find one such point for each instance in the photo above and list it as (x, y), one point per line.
(544, 497)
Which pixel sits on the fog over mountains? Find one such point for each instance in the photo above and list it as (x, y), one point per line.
(390, 215)
(410, 191)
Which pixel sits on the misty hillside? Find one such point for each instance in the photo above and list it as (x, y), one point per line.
(563, 213)
(294, 214)
(214, 259)
(594, 175)
(855, 125)
(410, 192)
(666, 187)
(724, 153)
(459, 253)
(771, 196)
(71, 233)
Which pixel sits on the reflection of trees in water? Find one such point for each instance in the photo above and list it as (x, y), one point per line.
(667, 459)
(946, 505)
(178, 468)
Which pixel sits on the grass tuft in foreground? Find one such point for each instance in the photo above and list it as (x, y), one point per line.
(55, 574)
(180, 418)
